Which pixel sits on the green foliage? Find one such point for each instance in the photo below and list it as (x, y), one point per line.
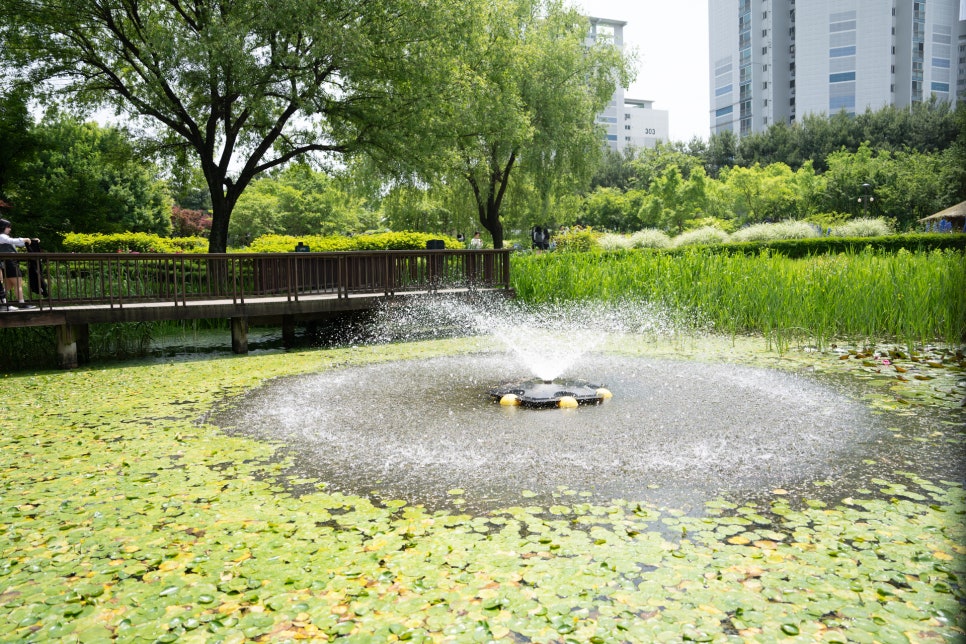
(332, 243)
(529, 90)
(298, 201)
(577, 240)
(409, 207)
(800, 248)
(859, 293)
(928, 127)
(132, 242)
(246, 87)
(82, 177)
(17, 136)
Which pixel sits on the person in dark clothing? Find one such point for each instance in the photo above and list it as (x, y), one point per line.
(13, 278)
(540, 237)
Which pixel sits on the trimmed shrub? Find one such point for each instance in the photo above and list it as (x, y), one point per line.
(132, 243)
(578, 240)
(335, 243)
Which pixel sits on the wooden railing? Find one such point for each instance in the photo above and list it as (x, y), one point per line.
(75, 279)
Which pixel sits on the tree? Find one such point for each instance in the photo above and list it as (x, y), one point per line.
(956, 159)
(297, 201)
(614, 170)
(721, 152)
(244, 85)
(530, 92)
(652, 163)
(86, 178)
(608, 209)
(17, 141)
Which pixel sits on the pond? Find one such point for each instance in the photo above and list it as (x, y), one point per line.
(675, 432)
(376, 493)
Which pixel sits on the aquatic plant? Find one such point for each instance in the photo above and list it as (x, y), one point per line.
(913, 297)
(127, 517)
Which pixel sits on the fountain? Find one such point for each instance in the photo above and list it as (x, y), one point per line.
(678, 430)
(550, 393)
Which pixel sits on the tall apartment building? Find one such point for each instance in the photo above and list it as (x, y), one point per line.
(778, 60)
(629, 122)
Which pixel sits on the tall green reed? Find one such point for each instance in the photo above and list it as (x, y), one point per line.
(914, 298)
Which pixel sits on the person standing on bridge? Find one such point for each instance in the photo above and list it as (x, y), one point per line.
(13, 278)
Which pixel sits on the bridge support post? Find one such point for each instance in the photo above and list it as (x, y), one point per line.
(239, 335)
(288, 331)
(73, 345)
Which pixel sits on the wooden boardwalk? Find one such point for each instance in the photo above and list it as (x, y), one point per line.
(284, 289)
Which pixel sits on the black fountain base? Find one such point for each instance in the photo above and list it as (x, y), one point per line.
(550, 393)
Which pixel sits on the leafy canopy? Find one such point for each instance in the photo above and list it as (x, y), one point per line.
(243, 86)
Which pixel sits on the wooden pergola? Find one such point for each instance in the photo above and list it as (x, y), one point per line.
(955, 215)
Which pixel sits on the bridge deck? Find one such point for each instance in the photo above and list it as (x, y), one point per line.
(76, 290)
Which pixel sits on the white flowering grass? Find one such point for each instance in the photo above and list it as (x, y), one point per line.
(650, 238)
(613, 241)
(863, 227)
(771, 232)
(706, 235)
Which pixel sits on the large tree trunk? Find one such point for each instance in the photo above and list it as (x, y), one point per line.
(490, 219)
(218, 237)
(488, 202)
(224, 196)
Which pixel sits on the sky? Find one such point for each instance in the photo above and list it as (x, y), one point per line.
(671, 39)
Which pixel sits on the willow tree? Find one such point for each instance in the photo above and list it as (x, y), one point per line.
(531, 88)
(243, 86)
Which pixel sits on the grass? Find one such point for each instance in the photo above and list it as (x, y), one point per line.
(914, 298)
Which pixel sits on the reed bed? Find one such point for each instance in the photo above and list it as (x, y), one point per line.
(912, 298)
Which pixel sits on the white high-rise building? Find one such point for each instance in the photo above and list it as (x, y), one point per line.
(629, 122)
(778, 60)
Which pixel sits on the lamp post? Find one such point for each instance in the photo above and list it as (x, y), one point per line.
(865, 199)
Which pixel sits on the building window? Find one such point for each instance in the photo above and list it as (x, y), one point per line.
(724, 111)
(837, 103)
(841, 77)
(940, 87)
(839, 52)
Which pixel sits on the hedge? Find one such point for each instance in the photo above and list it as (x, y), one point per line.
(377, 241)
(132, 242)
(797, 248)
